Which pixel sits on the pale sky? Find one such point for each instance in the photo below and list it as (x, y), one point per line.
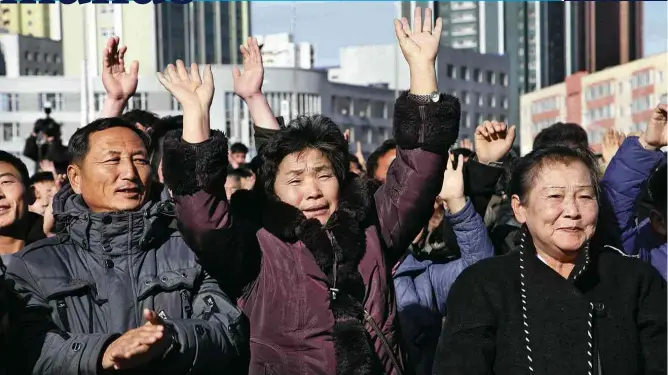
(332, 25)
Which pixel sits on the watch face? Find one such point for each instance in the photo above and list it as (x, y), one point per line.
(434, 97)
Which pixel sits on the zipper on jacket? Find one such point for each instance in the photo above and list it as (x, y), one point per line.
(185, 297)
(61, 306)
(383, 340)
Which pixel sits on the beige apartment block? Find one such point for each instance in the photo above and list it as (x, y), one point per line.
(26, 19)
(156, 35)
(621, 98)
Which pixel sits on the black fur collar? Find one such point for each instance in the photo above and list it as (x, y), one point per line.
(338, 248)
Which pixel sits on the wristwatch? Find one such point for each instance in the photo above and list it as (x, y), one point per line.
(434, 97)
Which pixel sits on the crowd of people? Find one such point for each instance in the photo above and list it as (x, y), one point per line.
(154, 246)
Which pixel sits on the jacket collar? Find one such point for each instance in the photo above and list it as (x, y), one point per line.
(111, 233)
(534, 265)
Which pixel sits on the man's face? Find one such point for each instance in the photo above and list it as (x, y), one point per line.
(44, 192)
(384, 163)
(238, 158)
(115, 174)
(13, 196)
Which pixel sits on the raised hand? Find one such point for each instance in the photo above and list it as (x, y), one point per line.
(195, 94)
(493, 141)
(189, 88)
(420, 45)
(119, 83)
(611, 142)
(655, 136)
(249, 82)
(452, 190)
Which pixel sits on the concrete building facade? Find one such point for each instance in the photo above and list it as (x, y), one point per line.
(156, 34)
(621, 98)
(280, 51)
(366, 111)
(22, 55)
(480, 81)
(27, 19)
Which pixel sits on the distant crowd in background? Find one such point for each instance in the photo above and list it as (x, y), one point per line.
(152, 245)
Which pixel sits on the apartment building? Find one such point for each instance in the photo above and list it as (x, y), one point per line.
(621, 97)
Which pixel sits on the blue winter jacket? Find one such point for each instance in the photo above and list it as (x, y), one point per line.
(621, 186)
(422, 287)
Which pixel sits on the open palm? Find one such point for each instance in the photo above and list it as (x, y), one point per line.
(119, 83)
(655, 134)
(420, 45)
(190, 89)
(249, 82)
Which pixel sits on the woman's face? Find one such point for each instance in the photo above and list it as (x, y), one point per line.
(306, 181)
(561, 209)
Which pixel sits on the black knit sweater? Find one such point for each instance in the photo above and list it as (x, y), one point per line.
(513, 315)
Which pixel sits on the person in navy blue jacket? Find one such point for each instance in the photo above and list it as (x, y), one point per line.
(627, 173)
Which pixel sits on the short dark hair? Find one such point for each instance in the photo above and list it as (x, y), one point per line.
(658, 190)
(15, 162)
(41, 177)
(242, 172)
(79, 142)
(561, 134)
(157, 134)
(238, 148)
(145, 118)
(524, 170)
(372, 160)
(305, 132)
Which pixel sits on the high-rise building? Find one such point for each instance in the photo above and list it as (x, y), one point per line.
(27, 19)
(156, 34)
(466, 24)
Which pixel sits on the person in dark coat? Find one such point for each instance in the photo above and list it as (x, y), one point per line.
(565, 302)
(310, 254)
(118, 289)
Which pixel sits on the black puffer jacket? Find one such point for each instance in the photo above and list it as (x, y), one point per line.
(95, 279)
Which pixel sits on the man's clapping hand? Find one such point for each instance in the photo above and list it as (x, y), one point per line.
(139, 346)
(493, 141)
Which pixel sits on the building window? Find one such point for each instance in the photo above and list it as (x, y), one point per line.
(491, 100)
(99, 100)
(504, 79)
(47, 58)
(481, 100)
(454, 93)
(479, 118)
(7, 132)
(464, 73)
(56, 58)
(505, 103)
(9, 102)
(450, 71)
(490, 78)
(139, 101)
(28, 56)
(502, 118)
(477, 75)
(466, 96)
(55, 99)
(176, 106)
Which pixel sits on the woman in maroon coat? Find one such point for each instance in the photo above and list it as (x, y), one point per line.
(309, 252)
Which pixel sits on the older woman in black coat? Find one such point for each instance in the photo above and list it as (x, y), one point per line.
(565, 303)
